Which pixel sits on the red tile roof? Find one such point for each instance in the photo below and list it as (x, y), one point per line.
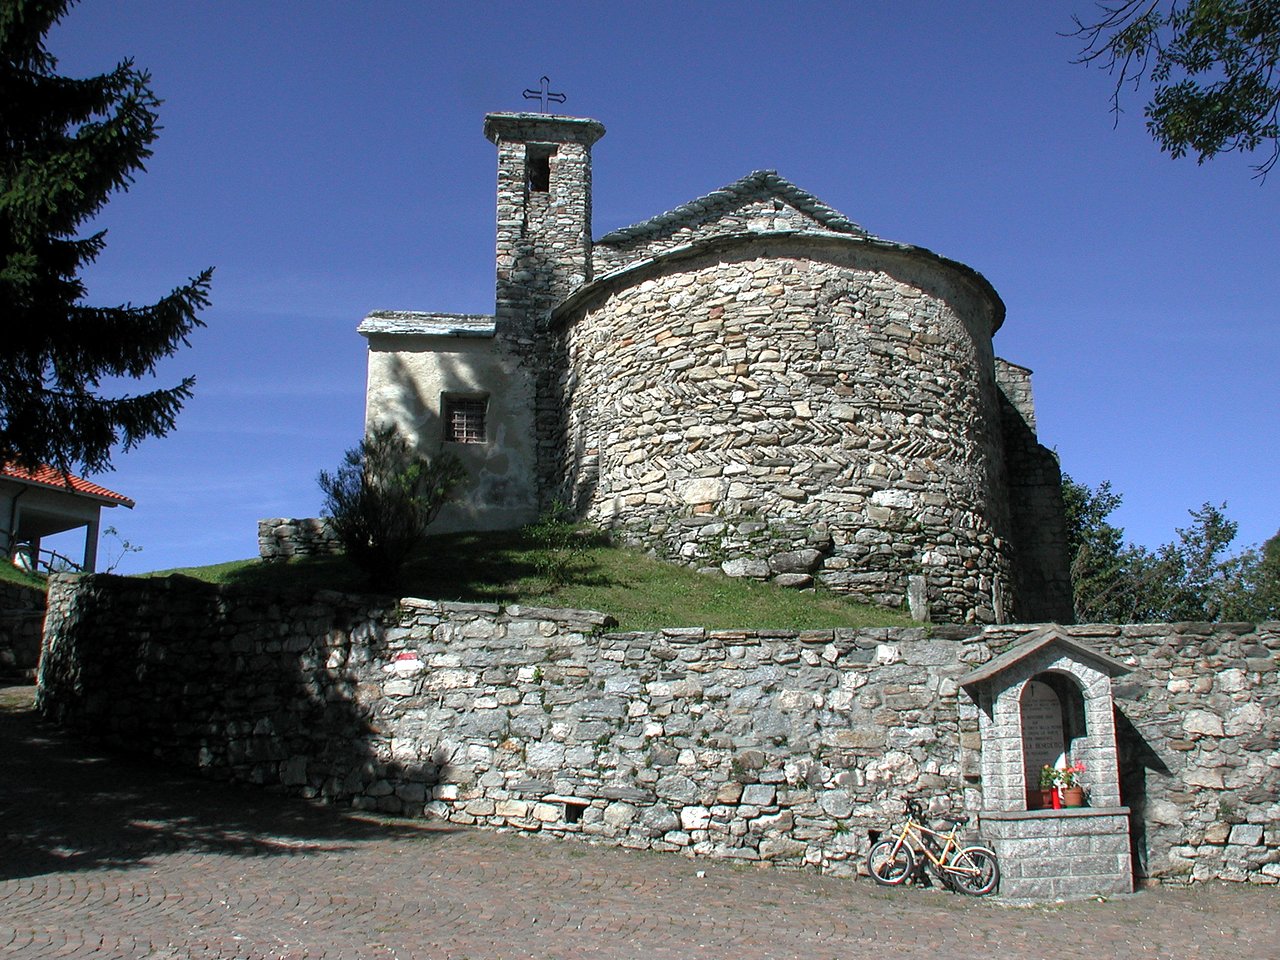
(53, 478)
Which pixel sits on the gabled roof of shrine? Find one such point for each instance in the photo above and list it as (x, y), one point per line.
(1036, 641)
(758, 185)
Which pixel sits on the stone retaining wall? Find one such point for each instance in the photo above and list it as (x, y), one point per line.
(769, 746)
(21, 621)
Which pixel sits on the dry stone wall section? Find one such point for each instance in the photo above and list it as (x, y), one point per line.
(734, 410)
(281, 538)
(779, 747)
(21, 620)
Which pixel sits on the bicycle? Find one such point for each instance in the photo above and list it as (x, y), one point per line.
(970, 869)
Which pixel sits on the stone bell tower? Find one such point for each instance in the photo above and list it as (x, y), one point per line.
(544, 216)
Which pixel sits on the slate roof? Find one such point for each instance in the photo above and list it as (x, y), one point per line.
(633, 270)
(754, 186)
(54, 479)
(428, 324)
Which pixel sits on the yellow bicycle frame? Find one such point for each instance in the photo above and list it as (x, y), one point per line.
(915, 832)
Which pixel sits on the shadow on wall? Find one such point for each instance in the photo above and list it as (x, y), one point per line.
(1138, 761)
(417, 413)
(568, 471)
(21, 620)
(261, 691)
(1041, 567)
(498, 492)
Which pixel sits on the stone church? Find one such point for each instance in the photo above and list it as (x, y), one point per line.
(749, 382)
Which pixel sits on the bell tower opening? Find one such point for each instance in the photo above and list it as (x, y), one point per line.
(537, 167)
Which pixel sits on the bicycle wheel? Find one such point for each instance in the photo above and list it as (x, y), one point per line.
(890, 862)
(974, 870)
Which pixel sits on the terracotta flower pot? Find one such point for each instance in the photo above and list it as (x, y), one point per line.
(1073, 796)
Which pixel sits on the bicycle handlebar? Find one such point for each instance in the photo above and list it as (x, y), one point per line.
(915, 809)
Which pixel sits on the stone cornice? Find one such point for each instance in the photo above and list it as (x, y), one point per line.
(417, 323)
(523, 127)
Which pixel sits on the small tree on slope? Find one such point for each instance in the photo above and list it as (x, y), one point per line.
(381, 500)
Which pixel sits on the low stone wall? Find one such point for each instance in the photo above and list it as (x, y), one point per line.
(280, 538)
(770, 746)
(21, 621)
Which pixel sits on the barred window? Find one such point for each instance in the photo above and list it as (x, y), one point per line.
(464, 419)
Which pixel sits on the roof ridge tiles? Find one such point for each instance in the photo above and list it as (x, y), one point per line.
(742, 188)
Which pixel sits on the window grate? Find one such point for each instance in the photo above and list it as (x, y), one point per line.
(464, 420)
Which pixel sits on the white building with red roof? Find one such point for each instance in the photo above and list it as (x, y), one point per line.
(38, 503)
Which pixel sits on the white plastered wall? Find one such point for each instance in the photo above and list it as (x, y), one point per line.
(409, 377)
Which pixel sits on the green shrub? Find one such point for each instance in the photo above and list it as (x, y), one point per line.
(382, 498)
(560, 546)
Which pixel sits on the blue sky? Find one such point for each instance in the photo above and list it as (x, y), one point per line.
(327, 158)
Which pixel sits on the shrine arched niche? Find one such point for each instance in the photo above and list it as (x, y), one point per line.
(1053, 722)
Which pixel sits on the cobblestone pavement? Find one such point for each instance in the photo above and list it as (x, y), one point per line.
(104, 856)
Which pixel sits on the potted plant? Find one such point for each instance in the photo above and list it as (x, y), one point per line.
(1069, 780)
(1048, 786)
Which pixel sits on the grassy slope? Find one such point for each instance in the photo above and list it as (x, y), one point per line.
(641, 592)
(11, 574)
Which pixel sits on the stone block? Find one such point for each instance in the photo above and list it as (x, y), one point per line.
(677, 788)
(745, 568)
(695, 818)
(1202, 723)
(511, 809)
(1246, 834)
(781, 848)
(795, 561)
(619, 814)
(758, 794)
(293, 771)
(703, 490)
(794, 581)
(659, 820)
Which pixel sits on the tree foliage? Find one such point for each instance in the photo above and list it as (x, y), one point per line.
(66, 145)
(382, 498)
(1094, 545)
(1194, 577)
(1212, 65)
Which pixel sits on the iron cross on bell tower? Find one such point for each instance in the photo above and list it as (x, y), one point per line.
(544, 94)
